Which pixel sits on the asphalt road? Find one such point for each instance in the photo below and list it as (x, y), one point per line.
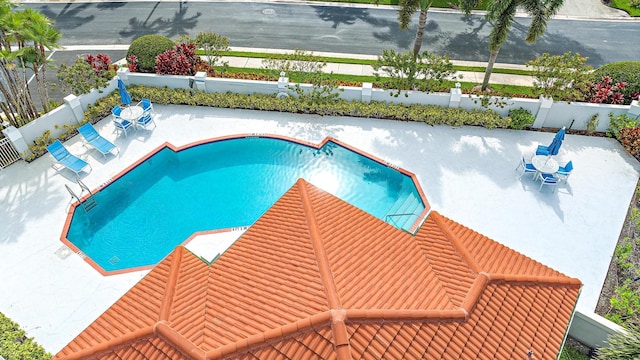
(334, 29)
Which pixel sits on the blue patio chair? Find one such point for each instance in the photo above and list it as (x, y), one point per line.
(526, 167)
(564, 171)
(542, 150)
(63, 157)
(146, 105)
(147, 115)
(549, 180)
(121, 124)
(96, 140)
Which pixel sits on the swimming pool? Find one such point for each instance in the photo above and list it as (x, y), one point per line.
(147, 211)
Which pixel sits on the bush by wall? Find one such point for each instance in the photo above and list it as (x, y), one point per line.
(624, 71)
(146, 48)
(14, 343)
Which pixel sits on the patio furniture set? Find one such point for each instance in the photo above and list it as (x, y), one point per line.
(544, 167)
(140, 115)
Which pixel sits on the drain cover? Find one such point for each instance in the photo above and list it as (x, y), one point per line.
(63, 252)
(269, 12)
(114, 260)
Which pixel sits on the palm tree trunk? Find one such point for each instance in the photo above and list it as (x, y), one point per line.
(417, 45)
(487, 73)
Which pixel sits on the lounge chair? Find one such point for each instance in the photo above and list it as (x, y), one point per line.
(63, 157)
(96, 140)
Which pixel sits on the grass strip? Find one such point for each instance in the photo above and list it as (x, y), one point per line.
(336, 60)
(625, 5)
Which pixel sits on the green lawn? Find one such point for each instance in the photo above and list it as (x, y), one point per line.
(626, 6)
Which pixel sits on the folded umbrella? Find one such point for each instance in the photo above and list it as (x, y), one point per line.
(124, 94)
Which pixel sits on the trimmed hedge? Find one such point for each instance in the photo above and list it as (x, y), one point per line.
(624, 71)
(15, 345)
(429, 114)
(146, 48)
(433, 115)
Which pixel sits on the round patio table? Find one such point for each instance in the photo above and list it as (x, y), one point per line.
(131, 113)
(545, 164)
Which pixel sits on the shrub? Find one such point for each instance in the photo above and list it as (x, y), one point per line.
(607, 92)
(179, 60)
(630, 140)
(622, 346)
(617, 123)
(622, 72)
(86, 74)
(634, 3)
(521, 118)
(146, 48)
(14, 343)
(563, 77)
(401, 71)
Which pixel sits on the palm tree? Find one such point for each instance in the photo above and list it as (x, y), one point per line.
(501, 14)
(406, 11)
(38, 30)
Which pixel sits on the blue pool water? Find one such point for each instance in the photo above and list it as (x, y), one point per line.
(156, 206)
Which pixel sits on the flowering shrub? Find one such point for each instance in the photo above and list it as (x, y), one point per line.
(630, 139)
(606, 92)
(101, 63)
(180, 60)
(132, 63)
(86, 74)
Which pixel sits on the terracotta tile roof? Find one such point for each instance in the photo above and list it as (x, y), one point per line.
(316, 278)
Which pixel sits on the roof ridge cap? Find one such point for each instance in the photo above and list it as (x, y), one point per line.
(528, 279)
(110, 345)
(271, 335)
(318, 246)
(405, 315)
(163, 330)
(172, 280)
(475, 292)
(466, 255)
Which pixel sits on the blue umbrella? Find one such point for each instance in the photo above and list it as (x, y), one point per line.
(124, 94)
(554, 147)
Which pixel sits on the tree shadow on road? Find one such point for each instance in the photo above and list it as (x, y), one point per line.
(346, 16)
(68, 17)
(179, 24)
(473, 44)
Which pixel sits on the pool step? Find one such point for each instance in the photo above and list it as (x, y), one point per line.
(405, 211)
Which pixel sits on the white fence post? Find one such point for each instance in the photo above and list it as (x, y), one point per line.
(73, 102)
(367, 89)
(634, 109)
(123, 74)
(15, 136)
(200, 78)
(543, 111)
(456, 96)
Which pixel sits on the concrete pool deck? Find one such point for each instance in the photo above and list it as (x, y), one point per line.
(466, 173)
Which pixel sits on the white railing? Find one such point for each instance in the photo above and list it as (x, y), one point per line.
(8, 155)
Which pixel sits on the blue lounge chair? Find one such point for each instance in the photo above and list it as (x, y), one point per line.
(66, 159)
(96, 140)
